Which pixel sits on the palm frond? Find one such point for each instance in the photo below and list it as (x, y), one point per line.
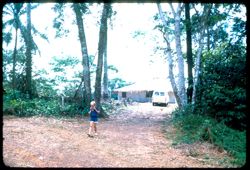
(36, 32)
(8, 23)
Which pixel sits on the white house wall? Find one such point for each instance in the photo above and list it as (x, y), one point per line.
(135, 96)
(141, 96)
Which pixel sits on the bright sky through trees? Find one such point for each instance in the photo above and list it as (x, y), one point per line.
(133, 56)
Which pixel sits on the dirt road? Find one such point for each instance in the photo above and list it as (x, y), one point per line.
(131, 138)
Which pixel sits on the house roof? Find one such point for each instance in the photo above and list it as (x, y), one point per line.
(151, 85)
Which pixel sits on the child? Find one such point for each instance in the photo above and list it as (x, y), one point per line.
(93, 118)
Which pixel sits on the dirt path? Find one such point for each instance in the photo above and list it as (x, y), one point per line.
(132, 138)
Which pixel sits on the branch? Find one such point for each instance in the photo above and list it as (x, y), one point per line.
(78, 88)
(196, 11)
(161, 14)
(172, 8)
(182, 7)
(165, 35)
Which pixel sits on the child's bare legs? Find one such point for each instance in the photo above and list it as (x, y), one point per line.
(91, 124)
(95, 128)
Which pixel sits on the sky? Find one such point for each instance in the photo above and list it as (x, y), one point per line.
(134, 57)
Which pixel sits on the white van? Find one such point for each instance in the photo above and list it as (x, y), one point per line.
(160, 97)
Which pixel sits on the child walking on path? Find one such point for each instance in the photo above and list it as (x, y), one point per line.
(93, 118)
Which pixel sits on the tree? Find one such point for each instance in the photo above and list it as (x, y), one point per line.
(189, 53)
(105, 69)
(203, 26)
(101, 50)
(105, 57)
(79, 10)
(28, 53)
(179, 91)
(180, 59)
(14, 10)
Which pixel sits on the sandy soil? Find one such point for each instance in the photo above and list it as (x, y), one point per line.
(133, 137)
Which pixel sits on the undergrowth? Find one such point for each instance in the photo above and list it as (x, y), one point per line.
(40, 107)
(191, 128)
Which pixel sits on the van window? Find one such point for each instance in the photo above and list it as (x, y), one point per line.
(157, 93)
(124, 94)
(162, 93)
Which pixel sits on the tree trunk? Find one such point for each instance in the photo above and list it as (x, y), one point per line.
(180, 60)
(85, 57)
(28, 53)
(16, 10)
(198, 66)
(14, 65)
(204, 19)
(189, 54)
(170, 59)
(208, 39)
(105, 69)
(171, 76)
(101, 49)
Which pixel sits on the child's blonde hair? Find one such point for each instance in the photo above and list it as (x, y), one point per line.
(92, 103)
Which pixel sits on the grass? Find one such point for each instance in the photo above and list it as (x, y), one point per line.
(190, 128)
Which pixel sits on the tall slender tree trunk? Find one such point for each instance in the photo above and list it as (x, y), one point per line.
(208, 39)
(170, 59)
(85, 57)
(14, 64)
(180, 59)
(16, 11)
(28, 53)
(171, 76)
(204, 19)
(105, 69)
(101, 49)
(189, 54)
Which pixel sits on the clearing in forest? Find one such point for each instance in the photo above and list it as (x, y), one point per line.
(132, 137)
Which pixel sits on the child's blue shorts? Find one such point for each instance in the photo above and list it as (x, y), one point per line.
(94, 119)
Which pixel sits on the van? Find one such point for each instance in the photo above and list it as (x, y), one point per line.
(160, 97)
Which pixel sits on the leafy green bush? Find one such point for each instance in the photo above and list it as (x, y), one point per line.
(72, 110)
(222, 89)
(47, 107)
(25, 107)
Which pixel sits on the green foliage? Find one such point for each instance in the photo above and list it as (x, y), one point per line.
(44, 106)
(44, 85)
(25, 107)
(239, 29)
(84, 8)
(108, 107)
(193, 127)
(222, 90)
(72, 110)
(117, 83)
(60, 63)
(58, 22)
(113, 68)
(7, 37)
(61, 67)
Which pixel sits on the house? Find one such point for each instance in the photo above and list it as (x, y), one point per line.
(142, 91)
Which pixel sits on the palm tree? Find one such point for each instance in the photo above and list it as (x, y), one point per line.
(15, 10)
